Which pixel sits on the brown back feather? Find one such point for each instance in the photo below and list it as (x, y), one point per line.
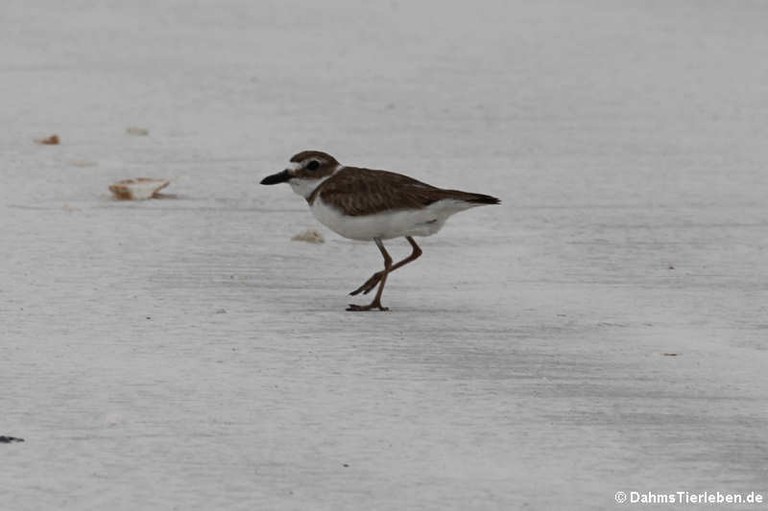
(359, 191)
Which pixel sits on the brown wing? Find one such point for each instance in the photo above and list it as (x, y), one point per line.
(364, 191)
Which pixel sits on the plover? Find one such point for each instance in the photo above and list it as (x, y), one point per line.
(373, 205)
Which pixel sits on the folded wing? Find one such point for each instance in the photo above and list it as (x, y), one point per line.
(358, 192)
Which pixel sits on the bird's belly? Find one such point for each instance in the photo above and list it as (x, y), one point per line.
(383, 225)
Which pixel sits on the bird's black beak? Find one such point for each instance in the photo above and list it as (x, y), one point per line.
(280, 177)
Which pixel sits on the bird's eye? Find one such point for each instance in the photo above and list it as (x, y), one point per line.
(313, 165)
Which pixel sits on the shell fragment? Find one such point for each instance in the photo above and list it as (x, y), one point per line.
(140, 188)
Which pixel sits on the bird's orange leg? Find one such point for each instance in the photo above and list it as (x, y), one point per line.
(376, 303)
(369, 284)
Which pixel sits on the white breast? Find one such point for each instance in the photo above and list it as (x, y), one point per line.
(387, 224)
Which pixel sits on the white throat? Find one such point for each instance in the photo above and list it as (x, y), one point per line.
(305, 187)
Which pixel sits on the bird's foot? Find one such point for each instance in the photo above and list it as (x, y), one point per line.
(375, 305)
(369, 284)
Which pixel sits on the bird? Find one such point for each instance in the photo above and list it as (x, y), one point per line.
(373, 205)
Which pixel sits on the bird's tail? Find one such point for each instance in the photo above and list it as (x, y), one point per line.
(479, 198)
(473, 198)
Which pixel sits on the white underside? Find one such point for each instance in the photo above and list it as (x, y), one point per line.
(388, 224)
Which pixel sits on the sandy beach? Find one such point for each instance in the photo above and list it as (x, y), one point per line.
(603, 330)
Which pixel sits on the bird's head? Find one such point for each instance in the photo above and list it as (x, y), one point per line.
(305, 172)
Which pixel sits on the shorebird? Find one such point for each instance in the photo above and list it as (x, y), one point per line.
(373, 205)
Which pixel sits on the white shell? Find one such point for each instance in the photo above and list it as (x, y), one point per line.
(137, 132)
(310, 236)
(141, 188)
